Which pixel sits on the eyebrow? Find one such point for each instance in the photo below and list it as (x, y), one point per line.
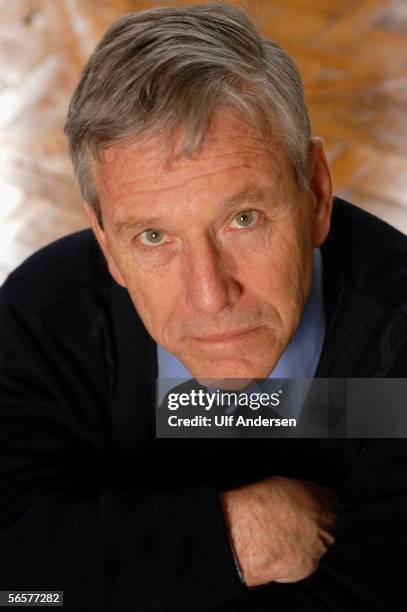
(250, 194)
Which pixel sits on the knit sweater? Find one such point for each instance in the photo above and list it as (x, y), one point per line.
(93, 504)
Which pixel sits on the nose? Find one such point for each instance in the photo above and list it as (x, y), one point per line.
(210, 287)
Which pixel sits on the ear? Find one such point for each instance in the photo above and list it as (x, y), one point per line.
(320, 181)
(101, 238)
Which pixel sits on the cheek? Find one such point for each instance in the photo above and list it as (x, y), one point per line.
(157, 294)
(278, 276)
(274, 266)
(155, 300)
(295, 272)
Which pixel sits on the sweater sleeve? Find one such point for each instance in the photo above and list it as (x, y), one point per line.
(65, 526)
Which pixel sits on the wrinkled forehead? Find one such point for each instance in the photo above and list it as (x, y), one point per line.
(151, 163)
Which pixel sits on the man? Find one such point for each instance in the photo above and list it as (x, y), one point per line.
(226, 256)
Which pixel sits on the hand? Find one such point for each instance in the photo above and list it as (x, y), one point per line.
(280, 528)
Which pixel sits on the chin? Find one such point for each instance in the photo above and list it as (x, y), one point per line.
(231, 384)
(232, 374)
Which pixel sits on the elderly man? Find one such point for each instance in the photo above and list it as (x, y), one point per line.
(217, 252)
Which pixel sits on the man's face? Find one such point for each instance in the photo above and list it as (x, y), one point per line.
(215, 250)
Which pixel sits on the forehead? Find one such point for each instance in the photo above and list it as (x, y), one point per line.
(146, 170)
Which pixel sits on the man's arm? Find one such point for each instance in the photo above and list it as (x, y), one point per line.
(65, 523)
(280, 528)
(364, 569)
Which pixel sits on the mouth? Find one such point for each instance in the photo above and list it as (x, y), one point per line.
(226, 336)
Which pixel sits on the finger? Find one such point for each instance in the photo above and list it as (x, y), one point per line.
(327, 539)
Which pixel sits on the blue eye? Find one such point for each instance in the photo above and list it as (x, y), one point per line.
(246, 218)
(151, 237)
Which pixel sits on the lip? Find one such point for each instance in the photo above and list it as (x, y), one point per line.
(226, 336)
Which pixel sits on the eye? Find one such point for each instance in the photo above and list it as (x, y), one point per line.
(151, 237)
(246, 218)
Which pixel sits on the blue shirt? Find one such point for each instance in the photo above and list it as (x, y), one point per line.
(301, 356)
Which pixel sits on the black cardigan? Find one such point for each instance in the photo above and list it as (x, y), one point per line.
(92, 504)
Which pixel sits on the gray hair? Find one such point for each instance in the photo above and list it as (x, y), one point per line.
(171, 69)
